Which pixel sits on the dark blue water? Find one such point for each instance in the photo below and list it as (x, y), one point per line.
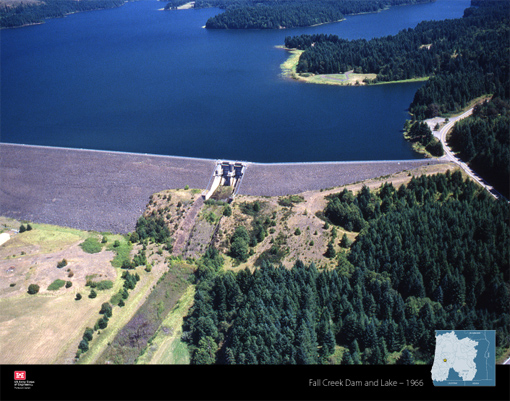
(141, 80)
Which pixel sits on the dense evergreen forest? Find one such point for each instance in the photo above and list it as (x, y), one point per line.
(430, 255)
(465, 57)
(483, 141)
(21, 14)
(277, 14)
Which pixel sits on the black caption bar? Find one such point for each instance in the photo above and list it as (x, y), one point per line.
(144, 382)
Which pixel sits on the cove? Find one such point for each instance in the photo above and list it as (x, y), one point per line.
(141, 80)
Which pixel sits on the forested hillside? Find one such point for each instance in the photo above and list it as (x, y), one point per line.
(278, 14)
(483, 141)
(465, 57)
(26, 13)
(430, 255)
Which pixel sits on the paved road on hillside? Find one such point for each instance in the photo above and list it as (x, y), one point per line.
(450, 156)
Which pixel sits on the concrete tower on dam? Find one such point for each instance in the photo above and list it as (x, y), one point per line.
(226, 174)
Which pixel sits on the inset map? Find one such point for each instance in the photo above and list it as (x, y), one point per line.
(465, 358)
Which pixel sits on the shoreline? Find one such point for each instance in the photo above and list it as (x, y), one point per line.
(44, 19)
(348, 78)
(205, 159)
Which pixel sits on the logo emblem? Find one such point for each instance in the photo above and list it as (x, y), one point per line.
(20, 375)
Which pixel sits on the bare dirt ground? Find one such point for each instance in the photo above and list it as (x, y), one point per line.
(311, 243)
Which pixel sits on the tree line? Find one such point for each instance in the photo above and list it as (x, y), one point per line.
(430, 255)
(483, 141)
(21, 14)
(277, 14)
(465, 57)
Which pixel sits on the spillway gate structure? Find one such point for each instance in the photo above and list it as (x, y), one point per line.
(228, 174)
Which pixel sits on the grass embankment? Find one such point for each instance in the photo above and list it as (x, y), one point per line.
(166, 346)
(154, 300)
(346, 79)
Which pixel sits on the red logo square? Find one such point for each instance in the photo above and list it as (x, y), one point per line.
(20, 375)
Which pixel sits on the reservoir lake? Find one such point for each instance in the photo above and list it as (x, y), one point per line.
(138, 79)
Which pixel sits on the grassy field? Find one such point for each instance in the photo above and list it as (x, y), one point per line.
(46, 327)
(166, 347)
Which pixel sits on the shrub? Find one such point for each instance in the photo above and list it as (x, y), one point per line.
(69, 284)
(140, 258)
(78, 297)
(345, 242)
(84, 345)
(33, 289)
(290, 200)
(91, 245)
(134, 238)
(62, 263)
(239, 246)
(102, 323)
(227, 211)
(330, 251)
(435, 148)
(56, 285)
(88, 334)
(297, 232)
(152, 228)
(274, 255)
(104, 285)
(106, 309)
(127, 264)
(252, 208)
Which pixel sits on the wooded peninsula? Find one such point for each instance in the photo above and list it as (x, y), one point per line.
(464, 58)
(280, 14)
